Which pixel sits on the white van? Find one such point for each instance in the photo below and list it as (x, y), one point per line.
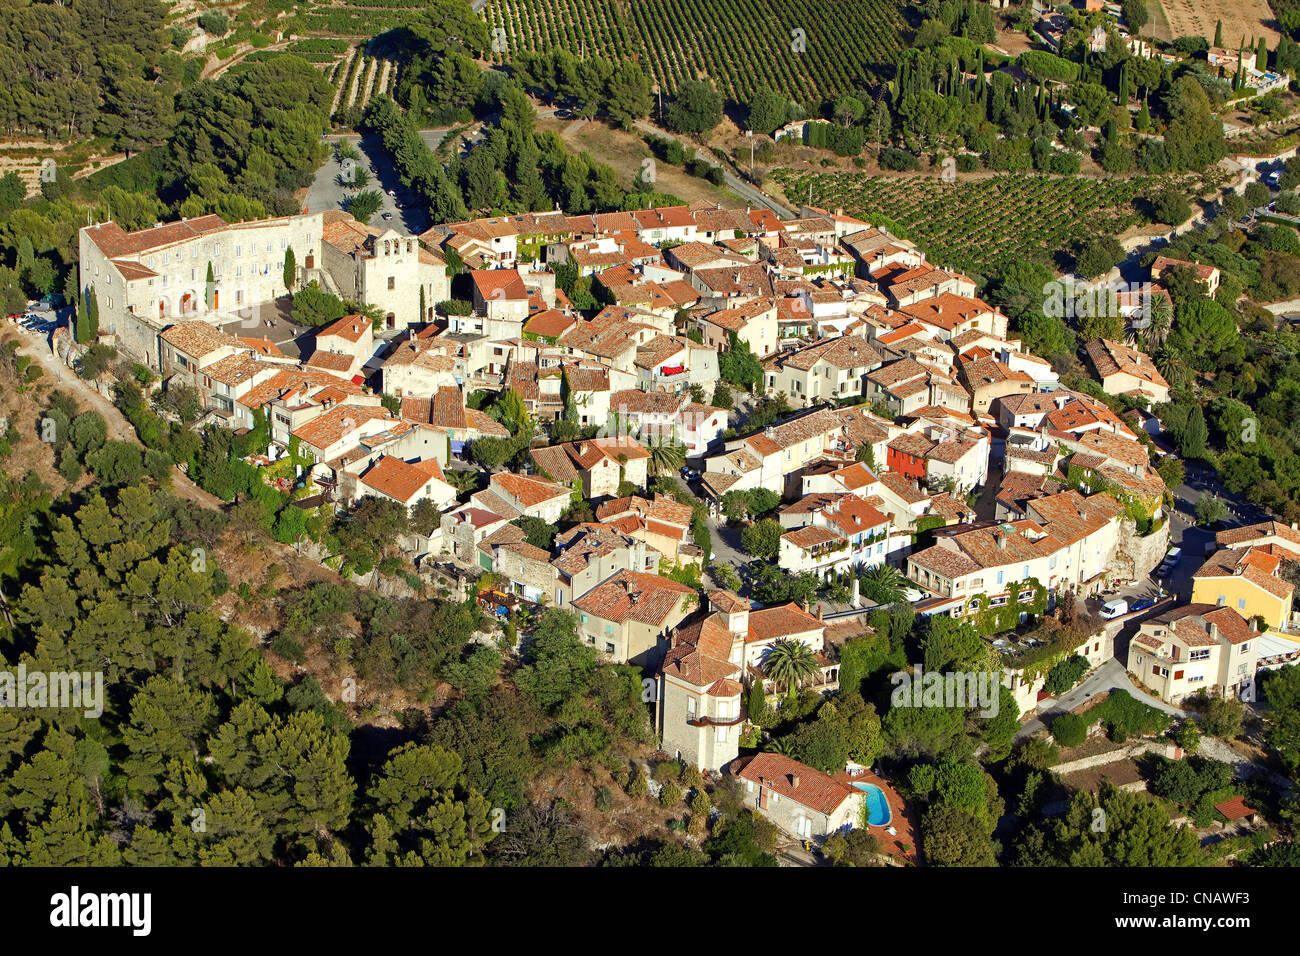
(1113, 609)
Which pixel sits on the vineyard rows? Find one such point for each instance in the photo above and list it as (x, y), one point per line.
(809, 50)
(985, 223)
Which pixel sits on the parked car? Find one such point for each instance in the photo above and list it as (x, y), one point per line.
(387, 215)
(391, 192)
(1172, 556)
(1211, 547)
(1113, 609)
(1142, 604)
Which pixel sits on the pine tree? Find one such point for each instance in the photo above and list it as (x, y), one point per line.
(1218, 33)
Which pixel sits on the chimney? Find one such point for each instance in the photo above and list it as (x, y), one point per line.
(819, 612)
(794, 780)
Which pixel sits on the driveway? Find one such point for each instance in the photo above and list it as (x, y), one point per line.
(1109, 676)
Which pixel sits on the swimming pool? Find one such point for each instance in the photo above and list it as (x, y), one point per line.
(878, 814)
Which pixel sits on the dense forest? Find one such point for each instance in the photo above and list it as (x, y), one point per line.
(89, 68)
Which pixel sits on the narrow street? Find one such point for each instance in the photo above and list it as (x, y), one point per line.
(734, 183)
(1109, 676)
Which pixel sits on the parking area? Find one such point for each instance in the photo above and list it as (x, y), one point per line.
(42, 317)
(400, 209)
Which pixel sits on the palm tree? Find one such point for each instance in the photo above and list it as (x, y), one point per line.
(667, 455)
(790, 663)
(1161, 322)
(883, 584)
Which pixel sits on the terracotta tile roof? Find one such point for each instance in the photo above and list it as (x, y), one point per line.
(397, 479)
(700, 656)
(638, 401)
(197, 339)
(772, 623)
(634, 596)
(351, 327)
(329, 427)
(1191, 624)
(527, 491)
(856, 476)
(307, 384)
(1254, 532)
(1235, 809)
(1162, 263)
(422, 352)
(736, 280)
(262, 346)
(114, 241)
(852, 515)
(901, 487)
(580, 544)
(133, 270)
(844, 352)
(948, 311)
(728, 601)
(234, 369)
(982, 372)
(1256, 567)
(945, 561)
(795, 781)
(331, 361)
(529, 551)
(550, 323)
(345, 233)
(809, 536)
(661, 509)
(1111, 358)
(904, 370)
(479, 517)
(506, 284)
(1069, 516)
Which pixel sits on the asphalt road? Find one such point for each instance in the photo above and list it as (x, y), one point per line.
(734, 183)
(1109, 676)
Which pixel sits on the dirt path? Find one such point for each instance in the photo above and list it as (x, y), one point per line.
(118, 427)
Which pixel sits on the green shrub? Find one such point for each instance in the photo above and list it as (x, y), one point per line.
(1070, 730)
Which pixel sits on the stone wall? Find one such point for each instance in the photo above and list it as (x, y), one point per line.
(1161, 747)
(1136, 557)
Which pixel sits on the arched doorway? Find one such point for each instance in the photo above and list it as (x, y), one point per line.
(162, 308)
(391, 321)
